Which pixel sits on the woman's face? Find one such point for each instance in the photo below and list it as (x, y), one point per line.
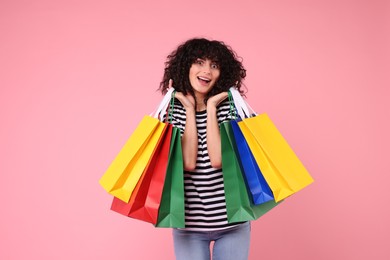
(204, 73)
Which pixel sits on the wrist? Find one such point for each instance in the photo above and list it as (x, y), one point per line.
(211, 105)
(190, 111)
(212, 110)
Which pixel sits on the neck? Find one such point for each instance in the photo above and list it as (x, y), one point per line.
(200, 105)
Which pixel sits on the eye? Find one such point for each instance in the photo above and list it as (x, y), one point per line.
(199, 61)
(215, 66)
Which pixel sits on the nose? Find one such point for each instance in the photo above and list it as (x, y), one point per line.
(207, 69)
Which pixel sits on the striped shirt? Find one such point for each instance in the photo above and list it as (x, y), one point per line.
(205, 206)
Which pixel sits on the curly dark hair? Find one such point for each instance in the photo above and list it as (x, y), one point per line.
(178, 64)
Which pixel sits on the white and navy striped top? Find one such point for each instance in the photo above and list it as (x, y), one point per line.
(205, 206)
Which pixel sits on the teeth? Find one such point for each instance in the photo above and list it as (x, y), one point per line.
(204, 79)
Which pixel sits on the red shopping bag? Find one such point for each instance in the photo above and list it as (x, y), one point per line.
(126, 169)
(145, 200)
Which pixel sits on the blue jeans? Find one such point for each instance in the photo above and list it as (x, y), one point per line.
(229, 244)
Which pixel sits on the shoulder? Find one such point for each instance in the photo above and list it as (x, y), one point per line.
(177, 115)
(224, 105)
(224, 110)
(175, 111)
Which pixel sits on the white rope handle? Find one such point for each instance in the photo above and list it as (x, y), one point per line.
(243, 108)
(239, 103)
(167, 104)
(163, 105)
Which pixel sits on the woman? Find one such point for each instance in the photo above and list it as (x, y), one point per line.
(202, 71)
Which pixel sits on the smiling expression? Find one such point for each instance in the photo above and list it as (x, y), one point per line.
(203, 75)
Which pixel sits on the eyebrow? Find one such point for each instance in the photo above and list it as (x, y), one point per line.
(205, 58)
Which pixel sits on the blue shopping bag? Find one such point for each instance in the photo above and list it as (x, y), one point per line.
(257, 185)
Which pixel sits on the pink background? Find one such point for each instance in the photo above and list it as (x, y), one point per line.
(77, 76)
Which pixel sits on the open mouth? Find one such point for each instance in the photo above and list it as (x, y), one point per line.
(204, 80)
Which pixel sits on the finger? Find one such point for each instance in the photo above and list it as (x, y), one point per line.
(189, 96)
(178, 94)
(221, 97)
(170, 83)
(224, 94)
(180, 97)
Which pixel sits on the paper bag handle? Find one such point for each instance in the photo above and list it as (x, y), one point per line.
(162, 107)
(243, 108)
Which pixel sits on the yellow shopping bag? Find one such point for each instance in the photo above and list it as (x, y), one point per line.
(126, 169)
(283, 171)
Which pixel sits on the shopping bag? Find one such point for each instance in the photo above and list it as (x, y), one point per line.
(239, 205)
(171, 211)
(126, 169)
(282, 169)
(145, 199)
(256, 184)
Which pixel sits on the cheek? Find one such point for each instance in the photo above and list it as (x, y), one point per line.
(216, 76)
(192, 71)
(192, 77)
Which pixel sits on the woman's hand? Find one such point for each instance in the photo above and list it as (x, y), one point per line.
(214, 101)
(187, 101)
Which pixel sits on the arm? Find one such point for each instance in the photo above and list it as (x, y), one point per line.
(190, 136)
(213, 135)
